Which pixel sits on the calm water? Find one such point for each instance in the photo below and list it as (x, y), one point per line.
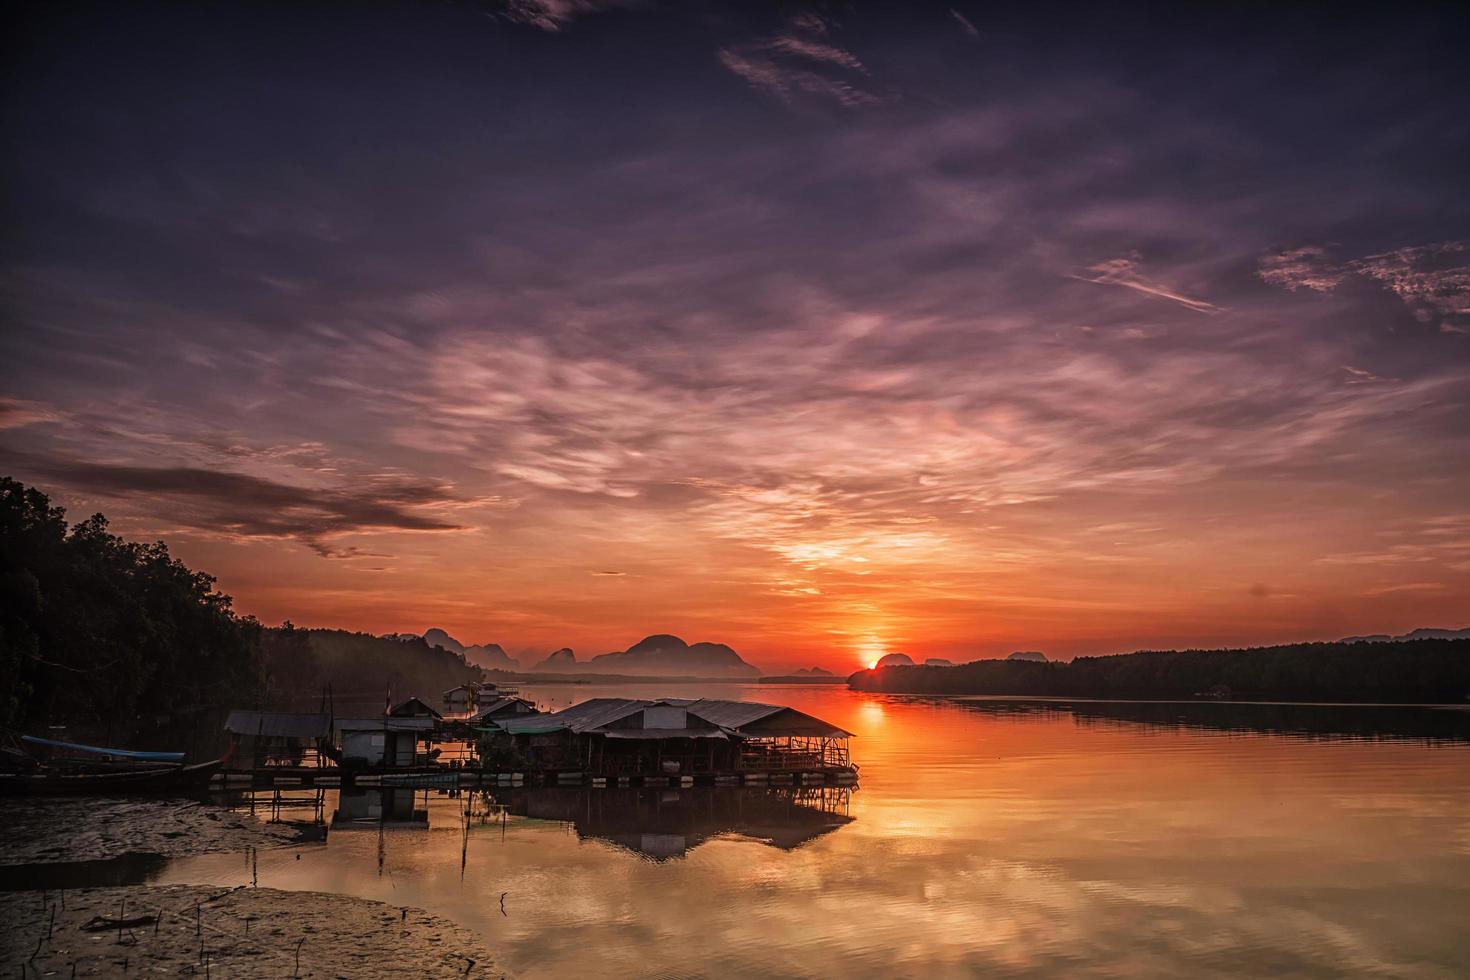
(985, 838)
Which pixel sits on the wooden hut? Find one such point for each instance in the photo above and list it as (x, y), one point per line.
(504, 708)
(459, 699)
(675, 736)
(277, 738)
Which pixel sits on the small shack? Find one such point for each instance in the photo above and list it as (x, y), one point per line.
(670, 736)
(414, 708)
(391, 739)
(278, 738)
(504, 708)
(459, 699)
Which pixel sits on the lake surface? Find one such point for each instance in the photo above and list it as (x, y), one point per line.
(988, 837)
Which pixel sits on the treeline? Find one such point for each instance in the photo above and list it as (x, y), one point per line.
(297, 665)
(95, 627)
(1414, 671)
(112, 636)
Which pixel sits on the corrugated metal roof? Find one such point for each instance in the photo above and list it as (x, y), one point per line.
(737, 714)
(498, 705)
(731, 714)
(279, 724)
(408, 709)
(595, 714)
(382, 723)
(664, 733)
(531, 724)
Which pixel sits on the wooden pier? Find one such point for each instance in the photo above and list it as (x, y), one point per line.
(446, 777)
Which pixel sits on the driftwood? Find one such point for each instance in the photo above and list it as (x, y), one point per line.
(101, 923)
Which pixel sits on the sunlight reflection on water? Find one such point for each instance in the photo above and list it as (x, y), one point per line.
(987, 837)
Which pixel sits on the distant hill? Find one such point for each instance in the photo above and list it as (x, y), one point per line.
(1423, 633)
(665, 655)
(1035, 656)
(300, 662)
(487, 655)
(1433, 671)
(557, 661)
(895, 660)
(938, 662)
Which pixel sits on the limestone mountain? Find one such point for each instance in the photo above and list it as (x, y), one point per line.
(666, 655)
(488, 655)
(558, 660)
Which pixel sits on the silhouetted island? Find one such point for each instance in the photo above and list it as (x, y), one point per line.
(1428, 671)
(806, 675)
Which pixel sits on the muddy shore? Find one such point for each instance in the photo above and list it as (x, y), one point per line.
(85, 829)
(67, 862)
(222, 932)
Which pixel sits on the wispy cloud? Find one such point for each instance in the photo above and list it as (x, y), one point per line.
(802, 64)
(1125, 272)
(554, 15)
(244, 506)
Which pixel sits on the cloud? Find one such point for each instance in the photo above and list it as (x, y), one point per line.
(241, 506)
(610, 574)
(787, 84)
(1302, 268)
(16, 413)
(553, 15)
(964, 22)
(794, 69)
(816, 51)
(1434, 277)
(1124, 272)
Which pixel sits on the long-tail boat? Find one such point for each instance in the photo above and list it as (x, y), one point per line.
(108, 771)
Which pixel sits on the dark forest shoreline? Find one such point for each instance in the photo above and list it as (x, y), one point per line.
(1430, 671)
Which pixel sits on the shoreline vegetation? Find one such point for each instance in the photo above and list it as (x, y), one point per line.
(1429, 671)
(124, 642)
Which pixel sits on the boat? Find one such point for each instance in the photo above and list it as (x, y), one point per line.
(168, 780)
(121, 755)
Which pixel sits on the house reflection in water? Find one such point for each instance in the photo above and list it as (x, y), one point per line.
(668, 823)
(371, 809)
(657, 823)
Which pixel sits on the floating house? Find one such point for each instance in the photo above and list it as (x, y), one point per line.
(458, 699)
(390, 740)
(487, 693)
(674, 736)
(414, 708)
(504, 708)
(277, 738)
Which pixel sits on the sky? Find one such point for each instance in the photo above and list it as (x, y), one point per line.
(824, 331)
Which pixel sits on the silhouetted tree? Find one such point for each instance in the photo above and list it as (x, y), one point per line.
(95, 627)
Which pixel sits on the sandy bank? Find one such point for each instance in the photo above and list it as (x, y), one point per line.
(242, 932)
